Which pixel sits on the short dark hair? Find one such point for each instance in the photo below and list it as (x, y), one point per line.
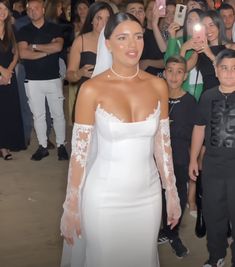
(226, 6)
(177, 59)
(128, 2)
(115, 20)
(226, 53)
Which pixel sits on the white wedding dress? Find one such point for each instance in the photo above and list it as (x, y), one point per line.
(121, 205)
(120, 193)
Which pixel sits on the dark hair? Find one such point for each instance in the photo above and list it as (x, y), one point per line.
(115, 20)
(217, 20)
(128, 2)
(170, 3)
(51, 10)
(76, 17)
(19, 1)
(177, 59)
(226, 53)
(226, 6)
(203, 4)
(93, 10)
(40, 1)
(9, 37)
(185, 31)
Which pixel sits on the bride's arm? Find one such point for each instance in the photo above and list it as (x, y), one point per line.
(81, 139)
(163, 156)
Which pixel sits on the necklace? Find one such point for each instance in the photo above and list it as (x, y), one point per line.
(125, 77)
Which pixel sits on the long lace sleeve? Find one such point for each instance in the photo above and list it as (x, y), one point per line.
(81, 139)
(163, 156)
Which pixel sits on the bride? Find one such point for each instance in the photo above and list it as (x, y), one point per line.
(114, 192)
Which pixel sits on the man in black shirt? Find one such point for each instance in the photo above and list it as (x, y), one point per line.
(39, 45)
(216, 124)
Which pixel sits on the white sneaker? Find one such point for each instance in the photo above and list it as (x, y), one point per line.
(219, 263)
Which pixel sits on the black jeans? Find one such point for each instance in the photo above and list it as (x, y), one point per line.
(181, 174)
(218, 203)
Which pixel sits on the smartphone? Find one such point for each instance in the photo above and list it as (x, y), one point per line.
(199, 32)
(161, 5)
(180, 13)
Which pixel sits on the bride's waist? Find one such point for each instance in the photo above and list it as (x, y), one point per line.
(127, 169)
(131, 156)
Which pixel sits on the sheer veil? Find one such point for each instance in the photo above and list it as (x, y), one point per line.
(74, 256)
(103, 58)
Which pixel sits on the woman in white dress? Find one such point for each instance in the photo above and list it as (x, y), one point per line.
(114, 194)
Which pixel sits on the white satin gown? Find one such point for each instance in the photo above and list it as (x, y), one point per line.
(121, 195)
(121, 201)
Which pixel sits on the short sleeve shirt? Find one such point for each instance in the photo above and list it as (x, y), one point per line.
(217, 112)
(182, 115)
(45, 68)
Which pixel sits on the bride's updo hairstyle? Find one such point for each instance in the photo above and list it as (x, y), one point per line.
(115, 20)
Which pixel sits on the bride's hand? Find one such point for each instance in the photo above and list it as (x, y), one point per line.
(173, 208)
(70, 224)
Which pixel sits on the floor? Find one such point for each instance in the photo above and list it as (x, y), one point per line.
(31, 197)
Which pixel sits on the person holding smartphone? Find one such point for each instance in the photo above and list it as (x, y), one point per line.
(208, 47)
(152, 56)
(193, 83)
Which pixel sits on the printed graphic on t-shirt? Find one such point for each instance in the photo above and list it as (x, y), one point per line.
(223, 124)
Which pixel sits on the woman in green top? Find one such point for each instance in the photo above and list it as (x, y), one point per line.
(193, 83)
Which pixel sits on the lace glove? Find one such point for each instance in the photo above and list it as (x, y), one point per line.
(163, 156)
(81, 139)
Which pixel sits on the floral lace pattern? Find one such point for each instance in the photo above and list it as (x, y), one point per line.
(81, 139)
(163, 156)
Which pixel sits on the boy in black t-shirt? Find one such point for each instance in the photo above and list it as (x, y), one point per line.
(182, 106)
(216, 124)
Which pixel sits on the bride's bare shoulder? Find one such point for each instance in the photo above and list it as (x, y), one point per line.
(93, 87)
(157, 84)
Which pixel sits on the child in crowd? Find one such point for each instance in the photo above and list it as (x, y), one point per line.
(215, 122)
(182, 106)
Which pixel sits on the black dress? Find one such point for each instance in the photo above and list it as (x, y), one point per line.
(87, 57)
(207, 69)
(11, 133)
(151, 51)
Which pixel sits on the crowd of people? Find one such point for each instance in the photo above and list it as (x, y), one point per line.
(152, 106)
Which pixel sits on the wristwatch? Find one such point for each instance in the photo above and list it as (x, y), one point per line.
(34, 46)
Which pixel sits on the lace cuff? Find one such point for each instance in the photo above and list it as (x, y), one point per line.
(163, 156)
(81, 139)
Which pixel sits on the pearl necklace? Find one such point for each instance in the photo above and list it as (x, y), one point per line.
(125, 77)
